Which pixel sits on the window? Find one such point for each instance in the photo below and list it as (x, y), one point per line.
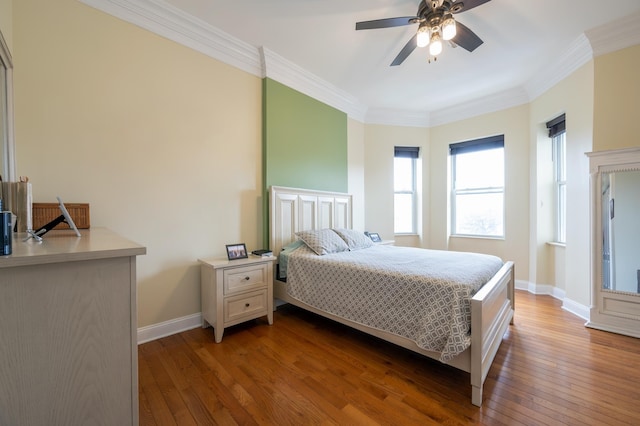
(404, 187)
(477, 198)
(557, 133)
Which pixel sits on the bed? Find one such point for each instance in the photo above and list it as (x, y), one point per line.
(480, 315)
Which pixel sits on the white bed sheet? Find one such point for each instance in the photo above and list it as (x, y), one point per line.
(423, 295)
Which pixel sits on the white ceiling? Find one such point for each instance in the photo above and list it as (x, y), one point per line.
(521, 38)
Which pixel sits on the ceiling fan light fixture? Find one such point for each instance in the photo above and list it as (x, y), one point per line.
(423, 36)
(435, 48)
(436, 24)
(448, 27)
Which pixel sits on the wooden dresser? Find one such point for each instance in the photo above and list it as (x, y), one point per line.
(68, 327)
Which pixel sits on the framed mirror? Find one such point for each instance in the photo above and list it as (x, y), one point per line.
(621, 230)
(615, 199)
(7, 151)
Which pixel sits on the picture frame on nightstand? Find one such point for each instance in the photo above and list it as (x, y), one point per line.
(236, 251)
(375, 237)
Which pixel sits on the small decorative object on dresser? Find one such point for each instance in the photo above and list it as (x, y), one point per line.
(236, 291)
(236, 251)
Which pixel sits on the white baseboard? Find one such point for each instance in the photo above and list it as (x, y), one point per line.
(576, 308)
(177, 325)
(167, 328)
(568, 305)
(540, 289)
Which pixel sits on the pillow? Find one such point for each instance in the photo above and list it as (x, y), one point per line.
(355, 239)
(323, 241)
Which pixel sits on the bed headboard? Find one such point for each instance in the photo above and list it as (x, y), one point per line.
(293, 209)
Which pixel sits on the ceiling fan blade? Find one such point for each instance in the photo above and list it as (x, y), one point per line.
(406, 51)
(385, 23)
(468, 5)
(466, 38)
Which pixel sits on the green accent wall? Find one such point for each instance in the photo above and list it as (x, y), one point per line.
(304, 142)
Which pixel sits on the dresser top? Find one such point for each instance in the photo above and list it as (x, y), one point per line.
(64, 246)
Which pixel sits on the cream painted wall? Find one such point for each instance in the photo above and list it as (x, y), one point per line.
(513, 123)
(355, 156)
(378, 175)
(573, 96)
(6, 22)
(617, 100)
(163, 142)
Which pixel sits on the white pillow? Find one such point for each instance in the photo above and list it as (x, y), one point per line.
(323, 241)
(355, 239)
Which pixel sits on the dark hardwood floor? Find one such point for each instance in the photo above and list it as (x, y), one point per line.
(306, 370)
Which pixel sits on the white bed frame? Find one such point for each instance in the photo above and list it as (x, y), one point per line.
(492, 307)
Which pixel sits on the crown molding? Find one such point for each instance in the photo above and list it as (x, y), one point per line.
(491, 103)
(391, 117)
(170, 22)
(616, 35)
(280, 69)
(577, 54)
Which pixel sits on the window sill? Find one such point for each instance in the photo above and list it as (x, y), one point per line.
(478, 237)
(557, 244)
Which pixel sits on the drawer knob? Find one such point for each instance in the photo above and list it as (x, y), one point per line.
(246, 305)
(247, 278)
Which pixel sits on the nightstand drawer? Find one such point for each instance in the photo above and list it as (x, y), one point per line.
(242, 279)
(246, 306)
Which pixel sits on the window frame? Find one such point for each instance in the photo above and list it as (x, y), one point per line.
(476, 145)
(414, 154)
(557, 133)
(7, 139)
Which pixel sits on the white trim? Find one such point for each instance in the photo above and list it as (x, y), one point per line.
(8, 166)
(616, 35)
(280, 69)
(172, 23)
(167, 328)
(540, 289)
(392, 117)
(576, 308)
(577, 54)
(568, 305)
(486, 104)
(189, 322)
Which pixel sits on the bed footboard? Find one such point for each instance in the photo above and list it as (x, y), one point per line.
(492, 309)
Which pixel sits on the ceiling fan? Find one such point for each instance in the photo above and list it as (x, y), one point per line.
(435, 24)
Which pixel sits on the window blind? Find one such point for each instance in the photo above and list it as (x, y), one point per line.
(406, 151)
(475, 145)
(556, 126)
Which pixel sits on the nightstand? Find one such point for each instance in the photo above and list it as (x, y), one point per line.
(235, 291)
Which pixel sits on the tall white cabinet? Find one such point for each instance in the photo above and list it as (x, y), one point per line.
(68, 327)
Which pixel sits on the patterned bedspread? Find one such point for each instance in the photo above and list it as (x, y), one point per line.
(423, 295)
